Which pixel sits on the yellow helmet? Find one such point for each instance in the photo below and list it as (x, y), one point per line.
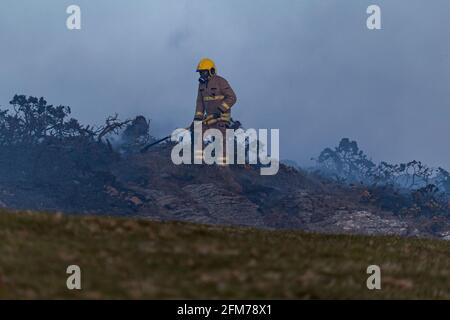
(207, 64)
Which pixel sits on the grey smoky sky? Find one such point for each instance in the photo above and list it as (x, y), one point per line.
(310, 68)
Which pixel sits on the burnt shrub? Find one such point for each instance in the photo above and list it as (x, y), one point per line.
(44, 150)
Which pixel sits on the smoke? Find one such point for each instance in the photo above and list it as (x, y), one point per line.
(309, 68)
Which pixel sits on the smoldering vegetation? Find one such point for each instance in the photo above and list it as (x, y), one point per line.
(403, 188)
(48, 160)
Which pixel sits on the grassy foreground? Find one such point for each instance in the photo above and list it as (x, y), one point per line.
(141, 259)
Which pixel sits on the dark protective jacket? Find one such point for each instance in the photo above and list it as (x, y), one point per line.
(214, 96)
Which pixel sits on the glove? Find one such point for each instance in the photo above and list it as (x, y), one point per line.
(217, 114)
(224, 108)
(198, 116)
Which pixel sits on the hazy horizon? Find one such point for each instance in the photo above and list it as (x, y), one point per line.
(311, 69)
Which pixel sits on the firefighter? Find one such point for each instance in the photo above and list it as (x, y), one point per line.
(215, 98)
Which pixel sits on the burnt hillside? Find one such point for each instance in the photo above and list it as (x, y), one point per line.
(51, 162)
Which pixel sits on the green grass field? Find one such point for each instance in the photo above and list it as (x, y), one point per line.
(136, 259)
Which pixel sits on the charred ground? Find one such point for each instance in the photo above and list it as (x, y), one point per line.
(51, 162)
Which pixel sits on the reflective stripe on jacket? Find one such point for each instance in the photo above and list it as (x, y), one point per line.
(214, 95)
